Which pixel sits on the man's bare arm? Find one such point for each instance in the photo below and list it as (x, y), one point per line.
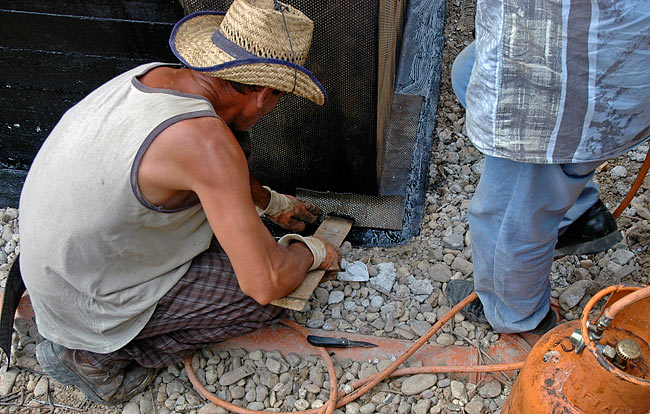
(202, 156)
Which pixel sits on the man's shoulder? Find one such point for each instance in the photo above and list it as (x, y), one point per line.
(200, 138)
(200, 130)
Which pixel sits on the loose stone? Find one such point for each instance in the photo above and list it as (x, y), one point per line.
(232, 377)
(418, 383)
(42, 387)
(7, 381)
(490, 390)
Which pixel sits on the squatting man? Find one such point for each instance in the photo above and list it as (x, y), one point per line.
(150, 244)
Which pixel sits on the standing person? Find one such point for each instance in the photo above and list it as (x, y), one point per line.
(139, 231)
(552, 89)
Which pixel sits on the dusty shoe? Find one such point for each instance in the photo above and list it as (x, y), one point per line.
(594, 231)
(69, 367)
(549, 322)
(458, 290)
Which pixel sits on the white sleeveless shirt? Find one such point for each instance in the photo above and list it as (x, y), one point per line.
(95, 255)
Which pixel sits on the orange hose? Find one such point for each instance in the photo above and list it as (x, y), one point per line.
(592, 302)
(589, 306)
(589, 344)
(339, 398)
(626, 301)
(635, 186)
(392, 367)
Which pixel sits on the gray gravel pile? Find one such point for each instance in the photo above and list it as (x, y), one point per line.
(9, 241)
(389, 292)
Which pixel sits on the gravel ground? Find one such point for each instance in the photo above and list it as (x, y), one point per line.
(402, 299)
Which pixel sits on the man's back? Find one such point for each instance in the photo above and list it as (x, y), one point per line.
(87, 230)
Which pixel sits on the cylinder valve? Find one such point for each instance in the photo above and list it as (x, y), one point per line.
(626, 350)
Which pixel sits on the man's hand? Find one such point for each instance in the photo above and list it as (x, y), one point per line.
(290, 212)
(326, 255)
(333, 259)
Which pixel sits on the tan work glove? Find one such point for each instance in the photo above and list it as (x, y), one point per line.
(289, 212)
(326, 255)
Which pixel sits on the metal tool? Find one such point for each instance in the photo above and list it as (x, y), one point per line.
(329, 342)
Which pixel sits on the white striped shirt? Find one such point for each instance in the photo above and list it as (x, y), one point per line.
(560, 81)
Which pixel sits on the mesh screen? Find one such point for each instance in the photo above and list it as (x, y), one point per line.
(368, 211)
(334, 147)
(399, 143)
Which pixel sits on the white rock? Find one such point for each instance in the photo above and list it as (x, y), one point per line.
(354, 272)
(385, 279)
(618, 172)
(336, 296)
(454, 241)
(420, 287)
(12, 213)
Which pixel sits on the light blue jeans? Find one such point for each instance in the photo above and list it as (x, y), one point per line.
(515, 217)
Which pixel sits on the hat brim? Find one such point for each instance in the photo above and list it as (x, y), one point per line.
(191, 42)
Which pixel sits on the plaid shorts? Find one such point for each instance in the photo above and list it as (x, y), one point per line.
(204, 307)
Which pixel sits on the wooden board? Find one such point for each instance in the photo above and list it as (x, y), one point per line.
(332, 229)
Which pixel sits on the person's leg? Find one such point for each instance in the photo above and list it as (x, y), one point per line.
(589, 196)
(588, 227)
(585, 201)
(461, 71)
(204, 307)
(514, 218)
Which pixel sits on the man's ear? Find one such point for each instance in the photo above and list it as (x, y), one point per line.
(261, 95)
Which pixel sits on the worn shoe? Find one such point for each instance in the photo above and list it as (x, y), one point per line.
(458, 290)
(594, 231)
(69, 367)
(549, 322)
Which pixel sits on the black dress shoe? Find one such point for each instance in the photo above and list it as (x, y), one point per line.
(594, 231)
(458, 290)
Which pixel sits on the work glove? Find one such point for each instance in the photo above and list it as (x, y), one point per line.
(326, 255)
(289, 212)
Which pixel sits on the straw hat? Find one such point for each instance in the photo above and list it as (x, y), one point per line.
(256, 42)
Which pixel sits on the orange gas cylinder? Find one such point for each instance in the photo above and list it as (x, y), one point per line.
(581, 368)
